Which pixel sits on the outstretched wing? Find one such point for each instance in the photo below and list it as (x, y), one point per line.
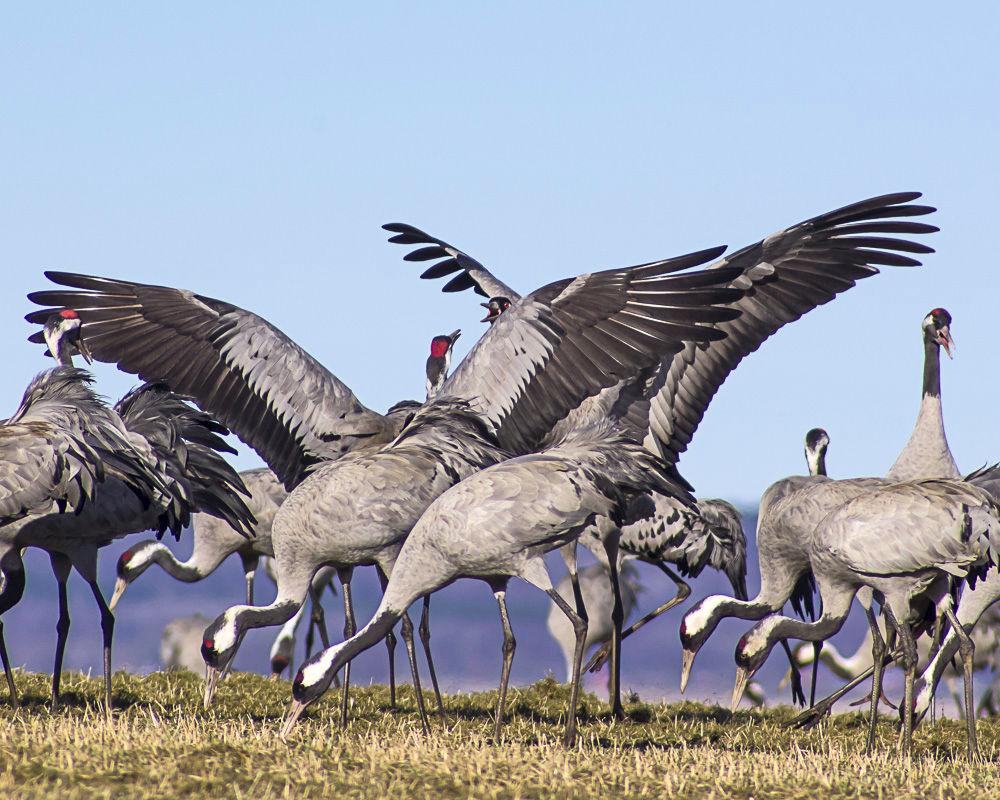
(236, 365)
(572, 338)
(784, 276)
(471, 274)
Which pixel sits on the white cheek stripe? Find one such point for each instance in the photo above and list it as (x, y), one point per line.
(313, 672)
(226, 637)
(697, 619)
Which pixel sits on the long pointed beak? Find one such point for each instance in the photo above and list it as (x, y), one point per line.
(742, 678)
(120, 586)
(212, 676)
(687, 661)
(454, 335)
(81, 345)
(945, 340)
(294, 712)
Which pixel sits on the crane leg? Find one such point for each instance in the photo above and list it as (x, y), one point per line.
(62, 631)
(601, 655)
(617, 621)
(425, 639)
(13, 591)
(509, 646)
(878, 662)
(967, 648)
(350, 628)
(817, 649)
(390, 645)
(411, 653)
(794, 678)
(108, 631)
(909, 658)
(580, 629)
(8, 673)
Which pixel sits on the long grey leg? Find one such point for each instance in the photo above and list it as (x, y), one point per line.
(411, 652)
(909, 647)
(60, 567)
(683, 592)
(580, 629)
(350, 628)
(108, 630)
(967, 648)
(390, 645)
(617, 620)
(8, 673)
(425, 639)
(878, 662)
(509, 646)
(250, 562)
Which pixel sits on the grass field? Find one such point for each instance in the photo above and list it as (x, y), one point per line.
(162, 744)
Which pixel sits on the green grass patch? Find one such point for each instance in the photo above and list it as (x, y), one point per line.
(162, 744)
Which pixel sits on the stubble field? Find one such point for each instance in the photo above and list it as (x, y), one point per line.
(161, 744)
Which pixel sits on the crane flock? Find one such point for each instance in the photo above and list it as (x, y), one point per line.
(563, 426)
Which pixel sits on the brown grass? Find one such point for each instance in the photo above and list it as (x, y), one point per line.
(162, 744)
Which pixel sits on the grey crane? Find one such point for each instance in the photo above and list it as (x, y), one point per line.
(926, 454)
(497, 524)
(213, 539)
(898, 543)
(784, 523)
(180, 445)
(60, 443)
(661, 530)
(539, 361)
(180, 644)
(784, 276)
(541, 358)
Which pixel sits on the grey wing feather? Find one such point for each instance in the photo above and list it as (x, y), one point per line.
(572, 338)
(236, 365)
(59, 444)
(909, 527)
(449, 260)
(785, 276)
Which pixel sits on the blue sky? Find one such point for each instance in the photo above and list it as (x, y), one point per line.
(251, 152)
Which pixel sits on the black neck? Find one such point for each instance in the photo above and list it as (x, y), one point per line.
(932, 369)
(13, 589)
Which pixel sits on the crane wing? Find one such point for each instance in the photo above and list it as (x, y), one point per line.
(572, 338)
(450, 260)
(783, 276)
(236, 365)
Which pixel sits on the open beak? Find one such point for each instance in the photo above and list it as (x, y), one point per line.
(490, 313)
(687, 661)
(120, 586)
(81, 346)
(945, 340)
(212, 675)
(294, 712)
(742, 679)
(454, 336)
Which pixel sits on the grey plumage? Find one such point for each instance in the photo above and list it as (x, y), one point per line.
(527, 373)
(237, 366)
(783, 276)
(789, 511)
(498, 523)
(900, 541)
(214, 539)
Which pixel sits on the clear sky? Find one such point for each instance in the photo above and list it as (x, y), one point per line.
(251, 152)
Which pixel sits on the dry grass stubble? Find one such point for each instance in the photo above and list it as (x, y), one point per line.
(162, 744)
